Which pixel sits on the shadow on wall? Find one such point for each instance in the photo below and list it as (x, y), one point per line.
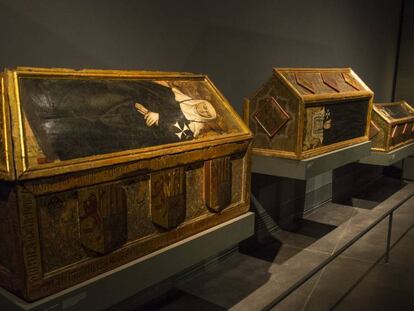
(364, 186)
(236, 43)
(240, 60)
(29, 43)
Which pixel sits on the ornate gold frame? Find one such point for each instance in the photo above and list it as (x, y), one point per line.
(23, 171)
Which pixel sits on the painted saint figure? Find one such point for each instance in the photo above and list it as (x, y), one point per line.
(197, 112)
(78, 118)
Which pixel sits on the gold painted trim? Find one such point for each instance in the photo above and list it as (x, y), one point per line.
(333, 147)
(243, 126)
(322, 98)
(378, 149)
(288, 84)
(360, 81)
(20, 122)
(369, 116)
(309, 153)
(300, 127)
(15, 130)
(5, 170)
(392, 121)
(388, 138)
(364, 92)
(93, 73)
(393, 131)
(274, 153)
(65, 167)
(313, 69)
(401, 144)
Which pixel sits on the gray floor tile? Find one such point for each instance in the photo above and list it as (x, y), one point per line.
(349, 284)
(302, 262)
(283, 276)
(384, 287)
(302, 241)
(393, 275)
(403, 252)
(246, 282)
(272, 289)
(370, 247)
(332, 213)
(337, 279)
(366, 297)
(177, 300)
(377, 192)
(396, 198)
(298, 298)
(357, 280)
(230, 282)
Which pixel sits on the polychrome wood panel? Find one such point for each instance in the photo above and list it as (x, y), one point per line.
(66, 119)
(304, 112)
(275, 130)
(334, 122)
(396, 123)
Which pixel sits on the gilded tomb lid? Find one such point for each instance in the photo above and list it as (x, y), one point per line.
(65, 120)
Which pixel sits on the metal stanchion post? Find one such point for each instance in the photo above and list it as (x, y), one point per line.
(387, 253)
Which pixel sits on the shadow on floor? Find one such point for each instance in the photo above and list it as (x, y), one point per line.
(269, 247)
(314, 229)
(375, 193)
(177, 300)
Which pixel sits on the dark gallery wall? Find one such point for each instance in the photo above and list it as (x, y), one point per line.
(235, 42)
(405, 70)
(404, 86)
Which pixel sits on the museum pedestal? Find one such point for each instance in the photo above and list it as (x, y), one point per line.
(123, 282)
(388, 158)
(284, 189)
(304, 169)
(408, 168)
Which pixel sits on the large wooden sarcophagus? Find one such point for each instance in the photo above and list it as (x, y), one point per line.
(101, 167)
(299, 113)
(392, 126)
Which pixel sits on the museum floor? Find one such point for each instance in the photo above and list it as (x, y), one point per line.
(357, 280)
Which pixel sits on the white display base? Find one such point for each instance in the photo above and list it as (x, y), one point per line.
(307, 168)
(389, 158)
(123, 282)
(408, 168)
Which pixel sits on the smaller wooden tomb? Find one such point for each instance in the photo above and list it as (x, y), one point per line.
(299, 113)
(392, 125)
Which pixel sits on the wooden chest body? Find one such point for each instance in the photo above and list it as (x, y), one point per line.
(392, 126)
(300, 113)
(65, 218)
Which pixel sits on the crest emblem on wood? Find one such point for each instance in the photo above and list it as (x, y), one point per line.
(329, 80)
(305, 83)
(103, 218)
(271, 116)
(168, 197)
(350, 80)
(218, 183)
